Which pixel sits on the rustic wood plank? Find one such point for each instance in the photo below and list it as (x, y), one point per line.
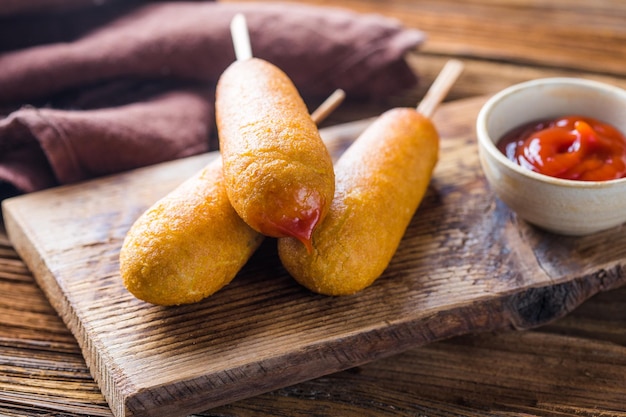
(482, 77)
(559, 33)
(565, 368)
(435, 380)
(465, 265)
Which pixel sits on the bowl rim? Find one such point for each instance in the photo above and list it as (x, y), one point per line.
(489, 145)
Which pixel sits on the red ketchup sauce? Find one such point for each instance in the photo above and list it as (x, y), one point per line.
(571, 147)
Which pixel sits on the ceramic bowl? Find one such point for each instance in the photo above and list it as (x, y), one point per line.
(567, 207)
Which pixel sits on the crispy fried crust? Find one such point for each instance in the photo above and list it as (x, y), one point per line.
(279, 175)
(381, 180)
(188, 245)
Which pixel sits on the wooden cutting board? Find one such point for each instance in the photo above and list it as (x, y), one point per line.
(466, 264)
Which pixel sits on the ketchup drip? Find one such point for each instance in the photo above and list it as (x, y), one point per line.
(296, 218)
(301, 227)
(572, 147)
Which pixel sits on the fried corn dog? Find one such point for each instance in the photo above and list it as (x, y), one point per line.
(278, 173)
(188, 245)
(191, 242)
(380, 181)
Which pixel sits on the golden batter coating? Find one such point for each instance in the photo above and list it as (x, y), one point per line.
(188, 245)
(279, 175)
(381, 180)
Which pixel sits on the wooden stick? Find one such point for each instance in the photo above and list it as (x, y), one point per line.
(243, 51)
(241, 37)
(328, 106)
(440, 87)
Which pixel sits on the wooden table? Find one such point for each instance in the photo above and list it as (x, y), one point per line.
(573, 366)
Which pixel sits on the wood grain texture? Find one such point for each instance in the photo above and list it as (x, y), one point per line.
(558, 33)
(501, 42)
(491, 374)
(465, 265)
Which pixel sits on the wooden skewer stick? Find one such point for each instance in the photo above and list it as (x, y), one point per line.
(328, 106)
(440, 87)
(243, 51)
(241, 37)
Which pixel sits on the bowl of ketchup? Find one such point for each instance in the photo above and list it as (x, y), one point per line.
(554, 151)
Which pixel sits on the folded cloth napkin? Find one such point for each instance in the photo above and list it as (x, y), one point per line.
(138, 88)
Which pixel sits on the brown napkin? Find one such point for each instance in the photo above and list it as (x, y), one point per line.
(138, 88)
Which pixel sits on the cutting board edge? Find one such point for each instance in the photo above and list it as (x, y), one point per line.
(423, 331)
(322, 358)
(16, 230)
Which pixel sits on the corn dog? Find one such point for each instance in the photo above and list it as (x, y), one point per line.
(278, 173)
(191, 243)
(188, 245)
(380, 181)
